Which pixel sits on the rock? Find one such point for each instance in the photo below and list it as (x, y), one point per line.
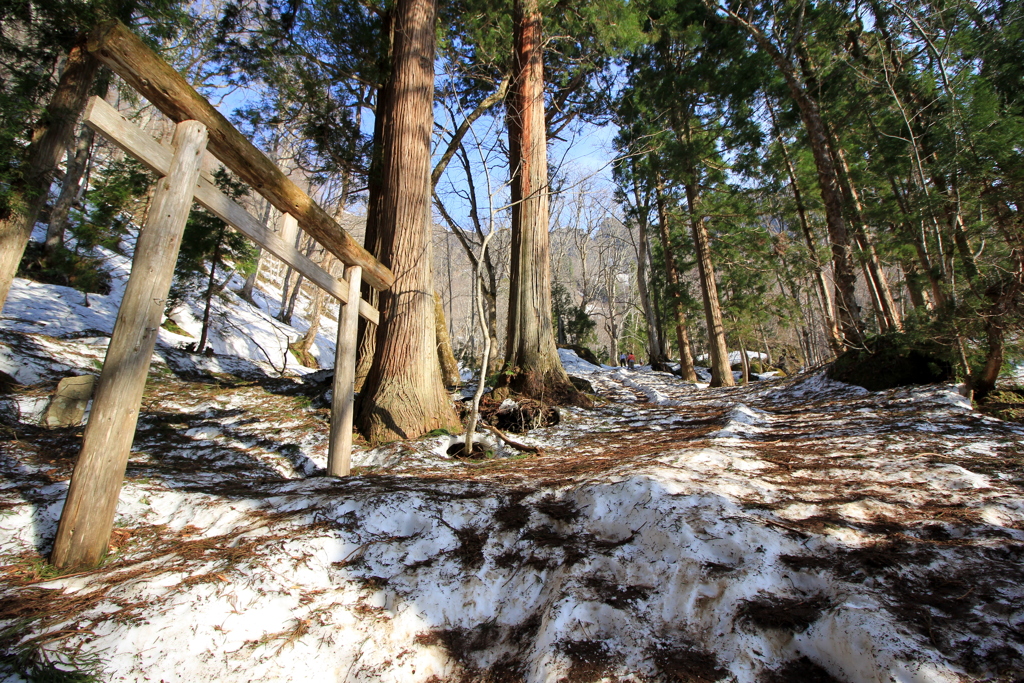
(788, 360)
(893, 361)
(70, 401)
(583, 352)
(582, 384)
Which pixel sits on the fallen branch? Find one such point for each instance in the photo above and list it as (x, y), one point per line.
(514, 444)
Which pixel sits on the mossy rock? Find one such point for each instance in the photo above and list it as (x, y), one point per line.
(583, 352)
(788, 360)
(892, 361)
(582, 385)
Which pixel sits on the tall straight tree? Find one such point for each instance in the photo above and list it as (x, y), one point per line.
(403, 396)
(686, 369)
(36, 37)
(531, 355)
(50, 138)
(784, 48)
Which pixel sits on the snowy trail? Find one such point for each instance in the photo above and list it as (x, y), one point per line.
(791, 530)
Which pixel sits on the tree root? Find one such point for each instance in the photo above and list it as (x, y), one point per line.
(514, 444)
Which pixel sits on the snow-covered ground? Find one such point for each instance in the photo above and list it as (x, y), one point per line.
(789, 530)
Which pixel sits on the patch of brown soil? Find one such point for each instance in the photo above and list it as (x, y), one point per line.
(801, 670)
(591, 660)
(781, 613)
(687, 664)
(618, 596)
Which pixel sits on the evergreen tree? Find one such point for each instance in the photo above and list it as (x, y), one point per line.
(208, 244)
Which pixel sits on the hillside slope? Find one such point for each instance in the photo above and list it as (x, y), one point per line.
(790, 530)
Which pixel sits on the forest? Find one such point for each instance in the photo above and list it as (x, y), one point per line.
(803, 218)
(816, 175)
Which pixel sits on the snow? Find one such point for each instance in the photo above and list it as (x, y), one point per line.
(735, 357)
(879, 535)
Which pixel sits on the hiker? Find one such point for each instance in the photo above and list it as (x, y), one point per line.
(631, 361)
(622, 359)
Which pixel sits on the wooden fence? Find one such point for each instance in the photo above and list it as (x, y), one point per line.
(88, 515)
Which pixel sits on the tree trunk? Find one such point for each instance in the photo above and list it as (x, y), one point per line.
(50, 139)
(721, 373)
(289, 311)
(530, 352)
(686, 370)
(367, 345)
(744, 361)
(660, 361)
(912, 278)
(827, 311)
(657, 357)
(302, 347)
(874, 273)
(210, 290)
(842, 263)
(445, 355)
(403, 396)
(916, 237)
(69, 191)
(984, 381)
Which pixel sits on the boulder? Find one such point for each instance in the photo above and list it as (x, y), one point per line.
(581, 384)
(583, 352)
(788, 360)
(893, 361)
(67, 409)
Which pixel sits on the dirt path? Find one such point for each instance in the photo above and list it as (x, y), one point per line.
(792, 530)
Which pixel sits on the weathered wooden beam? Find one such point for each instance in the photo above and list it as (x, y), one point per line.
(339, 455)
(88, 515)
(106, 121)
(125, 54)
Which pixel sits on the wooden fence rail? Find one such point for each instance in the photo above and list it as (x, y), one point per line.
(125, 54)
(105, 120)
(88, 515)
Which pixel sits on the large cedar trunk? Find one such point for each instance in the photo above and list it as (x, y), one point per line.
(371, 239)
(403, 396)
(50, 139)
(537, 371)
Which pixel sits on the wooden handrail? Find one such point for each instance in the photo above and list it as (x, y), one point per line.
(125, 54)
(106, 121)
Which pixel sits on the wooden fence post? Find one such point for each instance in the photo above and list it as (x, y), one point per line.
(88, 515)
(339, 458)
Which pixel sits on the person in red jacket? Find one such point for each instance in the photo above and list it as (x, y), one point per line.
(631, 361)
